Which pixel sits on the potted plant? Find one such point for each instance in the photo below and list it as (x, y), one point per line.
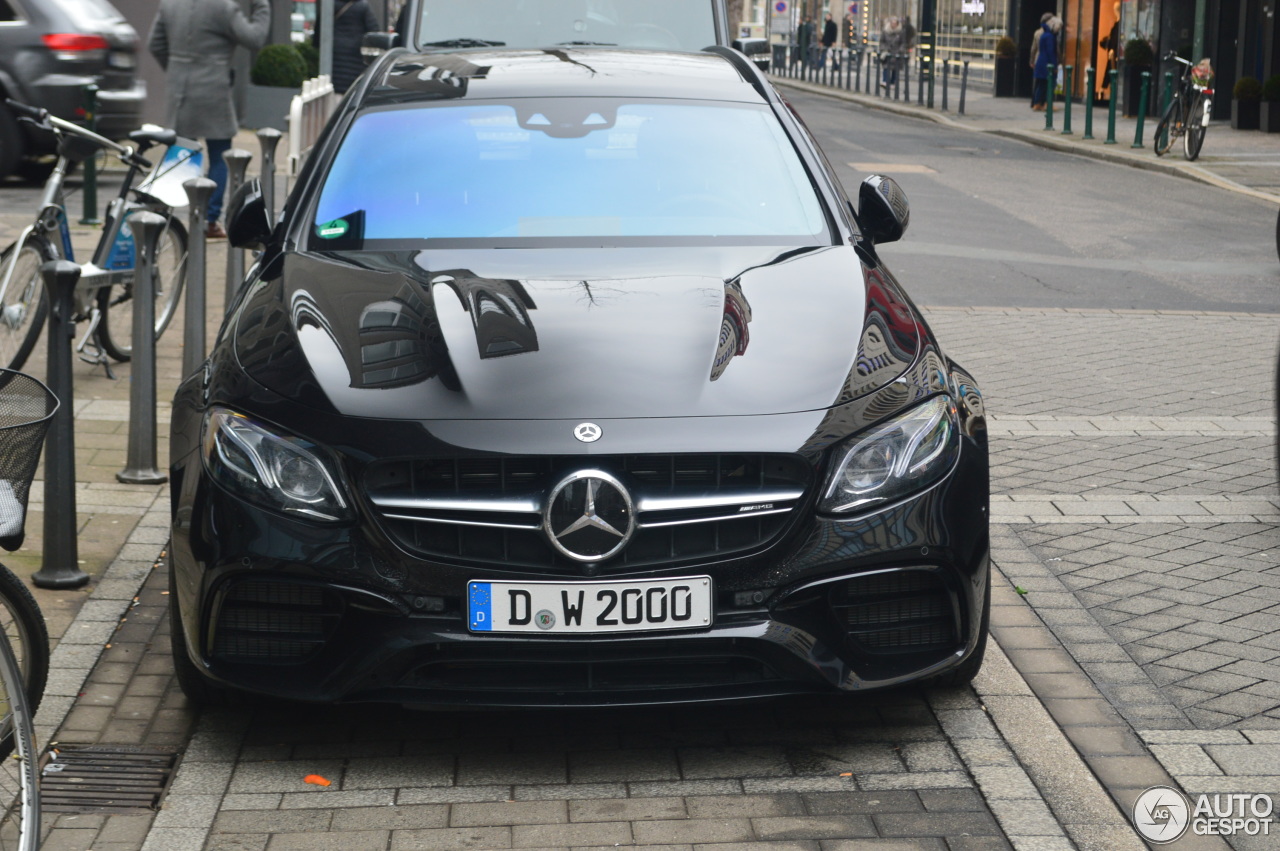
(1269, 106)
(1006, 56)
(276, 76)
(1245, 100)
(1138, 57)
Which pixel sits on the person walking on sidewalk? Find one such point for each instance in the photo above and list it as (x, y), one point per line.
(193, 41)
(1044, 53)
(352, 20)
(804, 37)
(829, 35)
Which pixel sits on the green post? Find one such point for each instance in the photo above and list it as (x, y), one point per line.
(1142, 109)
(1066, 100)
(1111, 107)
(90, 190)
(1164, 103)
(1088, 104)
(1048, 98)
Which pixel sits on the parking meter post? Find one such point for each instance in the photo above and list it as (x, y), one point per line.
(140, 464)
(1066, 100)
(61, 561)
(1142, 109)
(90, 188)
(237, 163)
(964, 85)
(268, 139)
(1088, 104)
(1111, 106)
(946, 73)
(199, 190)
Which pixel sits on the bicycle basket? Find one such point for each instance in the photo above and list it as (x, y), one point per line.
(26, 409)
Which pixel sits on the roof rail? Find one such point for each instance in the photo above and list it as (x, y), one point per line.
(747, 69)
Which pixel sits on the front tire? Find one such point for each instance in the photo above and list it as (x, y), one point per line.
(24, 303)
(24, 627)
(11, 143)
(1170, 126)
(198, 688)
(1193, 139)
(115, 328)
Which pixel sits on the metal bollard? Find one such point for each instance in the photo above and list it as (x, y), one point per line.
(1066, 100)
(946, 76)
(897, 77)
(1111, 108)
(90, 189)
(237, 164)
(1049, 86)
(879, 74)
(906, 76)
(268, 138)
(199, 190)
(920, 84)
(140, 465)
(1088, 103)
(964, 85)
(61, 560)
(1142, 109)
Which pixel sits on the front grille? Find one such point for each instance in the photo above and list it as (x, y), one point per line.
(900, 611)
(488, 511)
(269, 621)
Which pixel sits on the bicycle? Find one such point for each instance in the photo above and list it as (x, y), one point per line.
(105, 291)
(26, 408)
(1188, 114)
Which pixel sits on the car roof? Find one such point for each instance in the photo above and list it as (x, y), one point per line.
(561, 72)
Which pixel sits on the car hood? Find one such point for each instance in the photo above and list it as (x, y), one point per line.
(574, 334)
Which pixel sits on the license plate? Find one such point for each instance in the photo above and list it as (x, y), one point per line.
(586, 607)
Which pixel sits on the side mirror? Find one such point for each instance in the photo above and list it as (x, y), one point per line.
(374, 45)
(883, 211)
(248, 222)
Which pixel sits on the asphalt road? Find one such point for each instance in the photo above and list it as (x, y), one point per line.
(996, 222)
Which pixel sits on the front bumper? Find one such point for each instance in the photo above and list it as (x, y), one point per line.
(276, 606)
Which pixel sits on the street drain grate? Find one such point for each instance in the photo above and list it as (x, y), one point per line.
(105, 779)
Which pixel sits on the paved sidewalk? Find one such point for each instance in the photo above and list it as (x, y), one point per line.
(1244, 161)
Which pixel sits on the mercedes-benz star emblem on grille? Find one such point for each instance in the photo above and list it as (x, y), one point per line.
(589, 516)
(587, 432)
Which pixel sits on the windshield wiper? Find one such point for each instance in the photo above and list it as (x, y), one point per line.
(587, 44)
(465, 42)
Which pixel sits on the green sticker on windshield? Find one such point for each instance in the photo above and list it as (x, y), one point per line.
(333, 229)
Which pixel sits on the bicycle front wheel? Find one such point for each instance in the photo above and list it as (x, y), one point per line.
(115, 304)
(24, 303)
(1193, 139)
(1169, 128)
(23, 626)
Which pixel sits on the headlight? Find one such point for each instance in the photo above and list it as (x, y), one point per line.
(279, 471)
(894, 459)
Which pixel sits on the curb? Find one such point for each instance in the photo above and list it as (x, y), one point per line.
(1056, 143)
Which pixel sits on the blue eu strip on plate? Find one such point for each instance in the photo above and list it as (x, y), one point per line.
(480, 603)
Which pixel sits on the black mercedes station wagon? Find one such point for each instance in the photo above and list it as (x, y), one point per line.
(572, 377)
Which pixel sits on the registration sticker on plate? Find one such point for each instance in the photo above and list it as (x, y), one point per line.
(586, 607)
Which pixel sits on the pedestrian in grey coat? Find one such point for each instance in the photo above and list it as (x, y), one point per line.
(193, 40)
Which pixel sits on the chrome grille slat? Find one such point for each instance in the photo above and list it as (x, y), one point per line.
(489, 511)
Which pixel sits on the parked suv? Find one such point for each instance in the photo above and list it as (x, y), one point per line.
(49, 51)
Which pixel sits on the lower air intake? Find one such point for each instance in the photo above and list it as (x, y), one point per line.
(262, 621)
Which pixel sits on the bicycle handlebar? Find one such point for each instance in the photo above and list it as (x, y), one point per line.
(52, 122)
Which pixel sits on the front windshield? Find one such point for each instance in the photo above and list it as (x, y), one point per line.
(540, 171)
(648, 24)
